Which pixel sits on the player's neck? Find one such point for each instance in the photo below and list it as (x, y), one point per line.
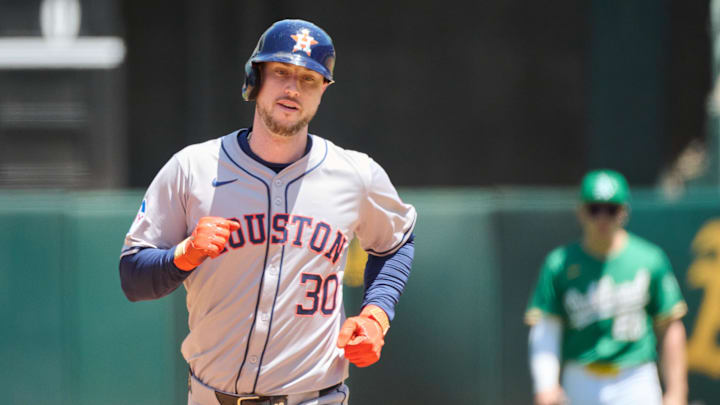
(275, 148)
(603, 246)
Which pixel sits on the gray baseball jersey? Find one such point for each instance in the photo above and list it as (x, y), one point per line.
(264, 316)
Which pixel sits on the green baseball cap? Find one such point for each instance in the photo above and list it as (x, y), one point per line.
(604, 186)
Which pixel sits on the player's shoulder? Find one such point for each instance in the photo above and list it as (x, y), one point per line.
(645, 249)
(199, 152)
(557, 258)
(337, 151)
(638, 242)
(196, 150)
(339, 157)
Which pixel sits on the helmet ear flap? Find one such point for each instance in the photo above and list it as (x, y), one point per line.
(257, 82)
(252, 81)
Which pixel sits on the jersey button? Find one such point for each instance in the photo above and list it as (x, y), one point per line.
(253, 359)
(273, 270)
(278, 183)
(278, 201)
(264, 317)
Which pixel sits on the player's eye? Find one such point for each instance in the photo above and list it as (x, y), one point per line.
(309, 78)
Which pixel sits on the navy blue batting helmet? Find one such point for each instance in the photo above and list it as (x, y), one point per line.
(297, 42)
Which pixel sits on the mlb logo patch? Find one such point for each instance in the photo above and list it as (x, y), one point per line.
(141, 212)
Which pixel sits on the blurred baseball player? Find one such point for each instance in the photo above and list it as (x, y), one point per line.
(257, 224)
(595, 307)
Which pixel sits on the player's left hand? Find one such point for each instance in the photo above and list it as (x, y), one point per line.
(362, 337)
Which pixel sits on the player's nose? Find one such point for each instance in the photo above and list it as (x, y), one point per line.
(292, 90)
(292, 87)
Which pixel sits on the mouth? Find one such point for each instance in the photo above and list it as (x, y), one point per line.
(288, 104)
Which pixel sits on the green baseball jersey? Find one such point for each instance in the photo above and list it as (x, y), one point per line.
(608, 307)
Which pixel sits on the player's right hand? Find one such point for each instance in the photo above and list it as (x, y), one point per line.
(552, 396)
(207, 240)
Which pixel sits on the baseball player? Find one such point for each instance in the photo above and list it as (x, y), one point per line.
(256, 225)
(599, 307)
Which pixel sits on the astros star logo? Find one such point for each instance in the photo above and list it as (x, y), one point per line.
(303, 41)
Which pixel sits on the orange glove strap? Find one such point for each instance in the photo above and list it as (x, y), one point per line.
(376, 313)
(180, 260)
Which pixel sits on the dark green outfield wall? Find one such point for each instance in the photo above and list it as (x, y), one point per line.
(69, 336)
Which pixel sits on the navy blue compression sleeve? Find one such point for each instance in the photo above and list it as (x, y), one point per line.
(385, 277)
(150, 274)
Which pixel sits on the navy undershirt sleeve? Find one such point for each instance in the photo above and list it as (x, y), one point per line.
(386, 276)
(150, 274)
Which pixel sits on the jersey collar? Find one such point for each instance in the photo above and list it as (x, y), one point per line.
(313, 157)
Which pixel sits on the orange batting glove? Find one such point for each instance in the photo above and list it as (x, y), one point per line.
(207, 240)
(362, 336)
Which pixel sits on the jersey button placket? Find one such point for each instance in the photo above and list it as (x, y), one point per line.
(277, 200)
(262, 328)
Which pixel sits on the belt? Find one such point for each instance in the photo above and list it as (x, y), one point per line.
(227, 399)
(205, 394)
(603, 369)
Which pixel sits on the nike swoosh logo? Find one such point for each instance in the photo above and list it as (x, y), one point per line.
(216, 183)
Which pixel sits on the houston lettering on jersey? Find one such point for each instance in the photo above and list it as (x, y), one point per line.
(288, 229)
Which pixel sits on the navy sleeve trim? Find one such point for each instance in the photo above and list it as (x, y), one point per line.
(150, 274)
(386, 276)
(402, 241)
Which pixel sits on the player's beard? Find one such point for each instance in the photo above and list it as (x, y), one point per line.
(279, 128)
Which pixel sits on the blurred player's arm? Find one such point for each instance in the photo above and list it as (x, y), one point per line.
(667, 307)
(545, 317)
(362, 336)
(673, 361)
(545, 342)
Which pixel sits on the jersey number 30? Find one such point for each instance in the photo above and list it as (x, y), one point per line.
(321, 292)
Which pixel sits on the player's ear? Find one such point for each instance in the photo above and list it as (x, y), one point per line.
(624, 215)
(326, 84)
(580, 213)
